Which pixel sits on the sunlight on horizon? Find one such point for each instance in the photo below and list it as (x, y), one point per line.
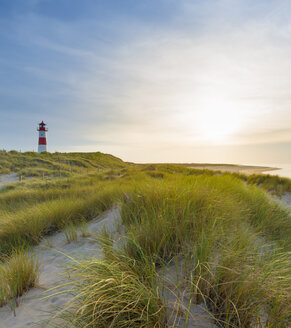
(213, 119)
(218, 120)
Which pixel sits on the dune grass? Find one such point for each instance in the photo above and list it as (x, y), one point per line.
(17, 275)
(110, 293)
(33, 209)
(71, 233)
(229, 233)
(30, 223)
(233, 239)
(234, 242)
(55, 164)
(271, 183)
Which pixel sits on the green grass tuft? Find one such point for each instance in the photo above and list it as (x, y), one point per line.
(17, 276)
(110, 293)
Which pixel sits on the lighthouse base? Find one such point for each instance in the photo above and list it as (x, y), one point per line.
(42, 148)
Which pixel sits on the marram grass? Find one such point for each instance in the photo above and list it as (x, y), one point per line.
(55, 164)
(233, 239)
(110, 293)
(17, 275)
(29, 224)
(229, 233)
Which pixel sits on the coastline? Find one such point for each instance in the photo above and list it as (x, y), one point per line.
(233, 168)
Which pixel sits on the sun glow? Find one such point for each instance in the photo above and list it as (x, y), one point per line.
(211, 119)
(217, 120)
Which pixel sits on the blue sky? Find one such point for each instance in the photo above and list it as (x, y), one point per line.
(151, 80)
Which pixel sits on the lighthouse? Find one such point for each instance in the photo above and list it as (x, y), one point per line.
(42, 145)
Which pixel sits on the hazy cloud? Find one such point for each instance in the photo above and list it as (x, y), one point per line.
(159, 80)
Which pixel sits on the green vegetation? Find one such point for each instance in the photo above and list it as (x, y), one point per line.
(111, 293)
(226, 234)
(32, 164)
(34, 209)
(17, 275)
(231, 240)
(71, 233)
(272, 183)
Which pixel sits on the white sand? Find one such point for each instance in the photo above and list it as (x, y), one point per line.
(33, 308)
(284, 200)
(8, 178)
(181, 311)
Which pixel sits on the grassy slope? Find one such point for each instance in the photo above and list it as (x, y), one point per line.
(209, 219)
(55, 164)
(32, 209)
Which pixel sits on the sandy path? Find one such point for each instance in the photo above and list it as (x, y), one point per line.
(8, 178)
(51, 254)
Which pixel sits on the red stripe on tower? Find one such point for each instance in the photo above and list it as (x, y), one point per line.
(42, 141)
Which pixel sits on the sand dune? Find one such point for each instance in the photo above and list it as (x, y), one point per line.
(53, 258)
(53, 252)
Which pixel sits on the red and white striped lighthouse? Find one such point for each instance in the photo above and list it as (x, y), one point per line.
(42, 145)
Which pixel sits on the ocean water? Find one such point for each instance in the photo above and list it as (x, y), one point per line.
(285, 170)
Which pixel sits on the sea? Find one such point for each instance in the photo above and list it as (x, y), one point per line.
(285, 170)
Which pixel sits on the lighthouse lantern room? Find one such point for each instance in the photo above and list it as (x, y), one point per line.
(42, 144)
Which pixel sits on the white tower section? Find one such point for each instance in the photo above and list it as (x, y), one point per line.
(42, 144)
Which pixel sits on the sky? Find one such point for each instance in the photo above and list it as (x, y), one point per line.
(149, 80)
